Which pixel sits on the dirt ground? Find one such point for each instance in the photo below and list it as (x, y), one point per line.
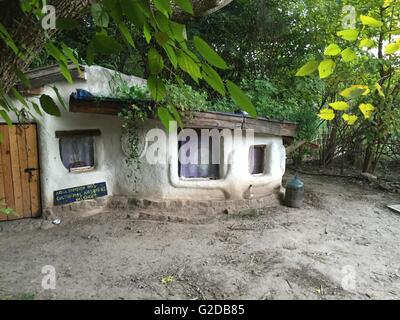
(343, 244)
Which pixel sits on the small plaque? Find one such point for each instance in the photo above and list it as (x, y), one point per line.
(91, 191)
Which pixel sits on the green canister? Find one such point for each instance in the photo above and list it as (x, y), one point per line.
(294, 194)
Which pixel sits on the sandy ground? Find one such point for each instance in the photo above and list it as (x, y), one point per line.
(343, 244)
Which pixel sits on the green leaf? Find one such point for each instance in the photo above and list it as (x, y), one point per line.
(392, 48)
(213, 79)
(349, 34)
(367, 43)
(69, 53)
(105, 44)
(147, 33)
(309, 68)
(326, 68)
(209, 53)
(100, 17)
(65, 72)
(177, 116)
(332, 50)
(178, 31)
(60, 99)
(371, 22)
(162, 22)
(339, 105)
(187, 64)
(165, 117)
(127, 35)
(49, 106)
(163, 6)
(156, 62)
(348, 55)
(19, 97)
(185, 5)
(161, 38)
(355, 91)
(55, 52)
(156, 87)
(171, 55)
(4, 115)
(241, 99)
(36, 108)
(133, 11)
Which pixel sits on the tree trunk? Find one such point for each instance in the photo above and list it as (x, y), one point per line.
(27, 32)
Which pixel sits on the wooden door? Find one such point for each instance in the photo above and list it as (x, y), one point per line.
(19, 172)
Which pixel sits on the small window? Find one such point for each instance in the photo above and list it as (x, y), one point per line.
(257, 160)
(77, 152)
(198, 170)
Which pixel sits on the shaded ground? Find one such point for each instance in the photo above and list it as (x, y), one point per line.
(343, 233)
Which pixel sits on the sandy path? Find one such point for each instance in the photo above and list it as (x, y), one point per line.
(343, 233)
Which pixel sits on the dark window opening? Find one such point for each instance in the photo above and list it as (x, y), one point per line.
(77, 152)
(197, 169)
(257, 160)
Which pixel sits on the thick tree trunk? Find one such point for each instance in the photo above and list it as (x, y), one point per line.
(27, 32)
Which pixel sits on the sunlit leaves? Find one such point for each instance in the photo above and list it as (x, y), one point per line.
(371, 22)
(350, 119)
(392, 48)
(327, 114)
(326, 68)
(355, 91)
(348, 55)
(309, 68)
(349, 34)
(332, 50)
(209, 53)
(241, 99)
(366, 109)
(340, 105)
(367, 43)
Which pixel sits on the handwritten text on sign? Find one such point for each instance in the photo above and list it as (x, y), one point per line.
(87, 192)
